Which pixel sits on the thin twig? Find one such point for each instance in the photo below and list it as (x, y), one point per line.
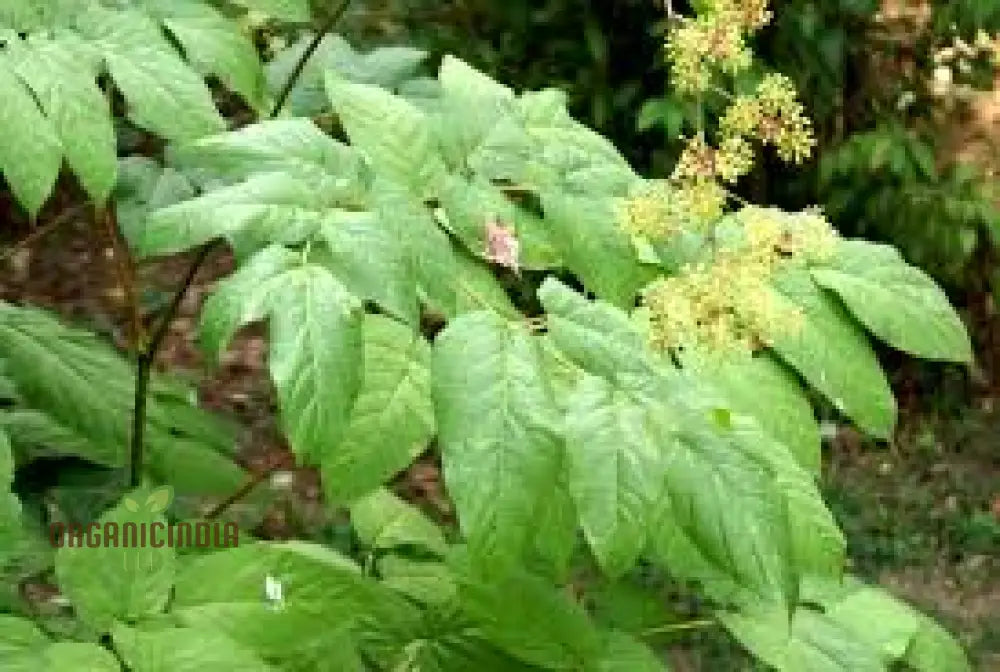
(249, 486)
(293, 77)
(678, 627)
(44, 230)
(125, 273)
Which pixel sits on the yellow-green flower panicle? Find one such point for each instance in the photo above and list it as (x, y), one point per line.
(774, 116)
(698, 47)
(726, 306)
(661, 210)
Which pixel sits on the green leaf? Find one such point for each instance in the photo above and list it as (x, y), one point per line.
(366, 254)
(428, 247)
(476, 288)
(833, 355)
(499, 468)
(287, 635)
(560, 636)
(296, 11)
(384, 522)
(245, 296)
(594, 247)
(216, 46)
(723, 514)
(392, 420)
(182, 650)
(616, 472)
(30, 152)
(277, 207)
(595, 336)
(77, 109)
(810, 642)
(315, 358)
(71, 656)
(106, 581)
(887, 625)
(392, 132)
(19, 635)
(473, 104)
(54, 367)
(429, 583)
(622, 653)
(163, 93)
(293, 146)
(933, 649)
(897, 302)
(144, 186)
(766, 390)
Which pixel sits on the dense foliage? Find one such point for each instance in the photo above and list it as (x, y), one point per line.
(615, 371)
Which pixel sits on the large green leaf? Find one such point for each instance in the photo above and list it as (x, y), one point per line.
(616, 471)
(163, 93)
(888, 626)
(559, 635)
(899, 303)
(64, 657)
(114, 580)
(315, 358)
(833, 354)
(367, 255)
(812, 641)
(594, 246)
(54, 368)
(216, 46)
(388, 66)
(473, 103)
(766, 390)
(499, 468)
(392, 420)
(384, 522)
(30, 152)
(394, 134)
(19, 635)
(182, 650)
(77, 109)
(285, 10)
(245, 296)
(274, 207)
(622, 653)
(595, 336)
(293, 146)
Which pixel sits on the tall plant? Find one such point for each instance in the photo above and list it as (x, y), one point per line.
(614, 371)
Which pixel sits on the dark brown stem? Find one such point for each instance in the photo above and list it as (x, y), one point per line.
(125, 273)
(324, 28)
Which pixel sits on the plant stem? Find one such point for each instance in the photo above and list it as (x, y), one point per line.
(137, 446)
(125, 273)
(244, 490)
(679, 627)
(293, 77)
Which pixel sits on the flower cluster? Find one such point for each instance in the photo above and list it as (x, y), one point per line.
(660, 210)
(730, 161)
(714, 41)
(774, 116)
(697, 47)
(727, 305)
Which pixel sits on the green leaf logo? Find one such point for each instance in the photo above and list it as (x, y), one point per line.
(156, 501)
